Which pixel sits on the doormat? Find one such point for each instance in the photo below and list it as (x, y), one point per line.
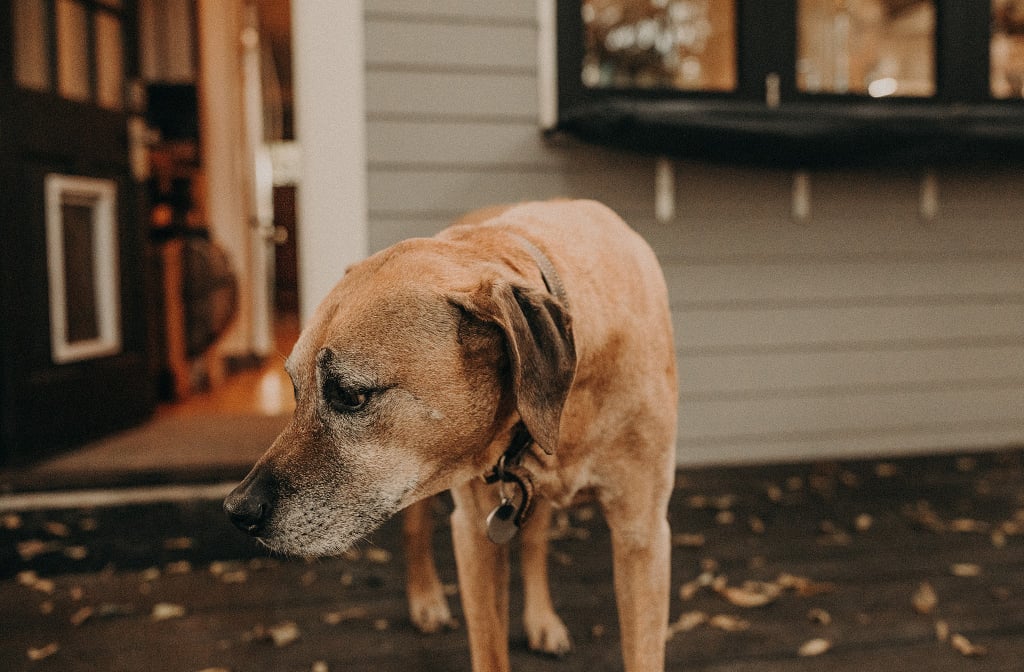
(169, 449)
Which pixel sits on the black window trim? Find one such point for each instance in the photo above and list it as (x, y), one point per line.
(960, 124)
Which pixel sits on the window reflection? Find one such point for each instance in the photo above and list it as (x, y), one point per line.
(679, 44)
(1007, 49)
(874, 47)
(73, 51)
(31, 56)
(109, 61)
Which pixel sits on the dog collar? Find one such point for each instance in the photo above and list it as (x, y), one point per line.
(547, 271)
(511, 513)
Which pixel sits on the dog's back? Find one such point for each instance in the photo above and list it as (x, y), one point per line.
(625, 392)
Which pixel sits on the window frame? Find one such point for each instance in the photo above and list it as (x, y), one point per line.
(767, 34)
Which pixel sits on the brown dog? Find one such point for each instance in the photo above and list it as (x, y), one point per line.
(532, 346)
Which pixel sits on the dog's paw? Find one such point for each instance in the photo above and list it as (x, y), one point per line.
(430, 613)
(547, 634)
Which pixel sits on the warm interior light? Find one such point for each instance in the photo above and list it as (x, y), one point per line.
(883, 87)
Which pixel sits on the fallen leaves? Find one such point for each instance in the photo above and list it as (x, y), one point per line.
(965, 569)
(925, 599)
(964, 647)
(751, 594)
(814, 647)
(284, 633)
(163, 611)
(35, 654)
(729, 623)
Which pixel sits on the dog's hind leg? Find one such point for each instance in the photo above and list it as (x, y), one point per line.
(545, 631)
(428, 606)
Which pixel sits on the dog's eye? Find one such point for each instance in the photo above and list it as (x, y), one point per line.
(345, 399)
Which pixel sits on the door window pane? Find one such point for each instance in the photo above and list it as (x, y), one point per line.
(109, 61)
(1007, 49)
(31, 55)
(873, 47)
(677, 44)
(72, 51)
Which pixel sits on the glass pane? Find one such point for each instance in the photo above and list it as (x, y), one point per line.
(676, 44)
(72, 51)
(31, 57)
(109, 61)
(874, 47)
(1007, 49)
(79, 272)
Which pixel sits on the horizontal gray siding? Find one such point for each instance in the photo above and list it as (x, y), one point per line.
(862, 330)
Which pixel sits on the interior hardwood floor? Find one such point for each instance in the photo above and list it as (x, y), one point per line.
(265, 390)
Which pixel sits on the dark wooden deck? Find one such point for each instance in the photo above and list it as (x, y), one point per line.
(848, 544)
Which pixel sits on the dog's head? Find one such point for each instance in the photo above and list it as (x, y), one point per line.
(406, 378)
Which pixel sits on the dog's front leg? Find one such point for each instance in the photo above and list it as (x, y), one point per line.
(428, 606)
(641, 556)
(483, 570)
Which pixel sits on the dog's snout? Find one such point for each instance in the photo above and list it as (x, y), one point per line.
(249, 505)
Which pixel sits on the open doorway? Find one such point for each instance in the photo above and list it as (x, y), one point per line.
(241, 377)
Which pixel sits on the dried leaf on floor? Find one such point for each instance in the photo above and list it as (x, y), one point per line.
(284, 633)
(941, 630)
(43, 651)
(968, 526)
(965, 569)
(81, 616)
(752, 594)
(924, 599)
(378, 556)
(11, 521)
(803, 586)
(319, 666)
(863, 522)
(964, 647)
(814, 647)
(76, 552)
(728, 623)
(163, 611)
(687, 622)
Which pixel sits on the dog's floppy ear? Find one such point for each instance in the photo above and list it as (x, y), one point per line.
(541, 351)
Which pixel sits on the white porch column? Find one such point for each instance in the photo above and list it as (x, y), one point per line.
(330, 126)
(222, 118)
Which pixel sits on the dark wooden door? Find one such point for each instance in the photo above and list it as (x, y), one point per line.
(72, 328)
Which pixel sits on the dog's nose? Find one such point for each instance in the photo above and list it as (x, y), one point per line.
(249, 505)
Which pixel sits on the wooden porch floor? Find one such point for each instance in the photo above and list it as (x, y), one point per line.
(911, 564)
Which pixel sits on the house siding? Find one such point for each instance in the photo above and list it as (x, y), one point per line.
(860, 330)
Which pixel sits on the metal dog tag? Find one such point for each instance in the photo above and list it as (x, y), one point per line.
(501, 523)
